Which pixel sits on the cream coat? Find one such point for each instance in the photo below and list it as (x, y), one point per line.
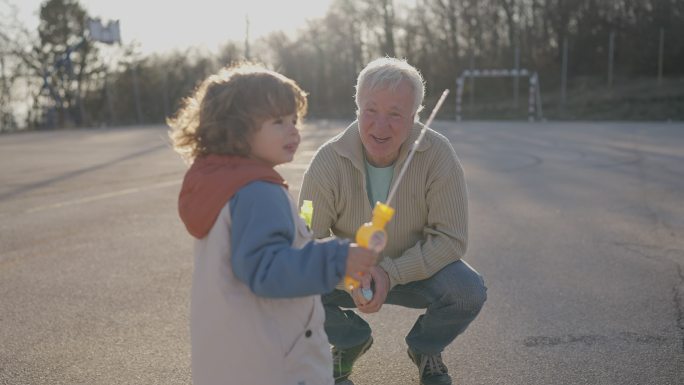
(239, 338)
(430, 226)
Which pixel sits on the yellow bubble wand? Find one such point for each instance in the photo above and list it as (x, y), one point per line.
(372, 235)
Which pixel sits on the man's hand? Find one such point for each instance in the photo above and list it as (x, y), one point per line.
(382, 283)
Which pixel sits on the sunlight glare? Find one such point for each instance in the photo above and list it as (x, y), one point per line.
(165, 26)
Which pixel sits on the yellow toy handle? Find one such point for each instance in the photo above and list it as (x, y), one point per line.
(372, 235)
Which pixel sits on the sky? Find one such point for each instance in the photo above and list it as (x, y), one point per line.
(159, 27)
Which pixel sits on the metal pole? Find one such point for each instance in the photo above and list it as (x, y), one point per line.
(611, 52)
(459, 94)
(136, 92)
(472, 79)
(81, 108)
(247, 37)
(537, 89)
(661, 48)
(530, 103)
(165, 91)
(564, 72)
(4, 114)
(110, 105)
(516, 78)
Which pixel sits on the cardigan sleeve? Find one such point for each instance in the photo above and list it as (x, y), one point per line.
(445, 234)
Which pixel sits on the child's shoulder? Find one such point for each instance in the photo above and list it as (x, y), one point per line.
(260, 188)
(260, 198)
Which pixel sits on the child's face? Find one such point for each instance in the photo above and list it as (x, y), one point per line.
(276, 141)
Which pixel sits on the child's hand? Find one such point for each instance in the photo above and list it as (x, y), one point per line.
(359, 261)
(357, 294)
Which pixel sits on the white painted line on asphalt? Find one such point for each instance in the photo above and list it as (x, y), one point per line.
(103, 196)
(287, 166)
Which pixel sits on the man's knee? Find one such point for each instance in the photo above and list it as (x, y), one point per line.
(467, 292)
(477, 296)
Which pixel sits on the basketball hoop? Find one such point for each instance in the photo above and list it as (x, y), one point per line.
(108, 34)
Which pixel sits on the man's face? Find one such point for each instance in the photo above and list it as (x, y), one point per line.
(385, 120)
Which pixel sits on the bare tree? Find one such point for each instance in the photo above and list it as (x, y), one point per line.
(388, 18)
(15, 64)
(66, 55)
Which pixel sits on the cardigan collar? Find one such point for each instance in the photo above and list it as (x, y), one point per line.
(348, 144)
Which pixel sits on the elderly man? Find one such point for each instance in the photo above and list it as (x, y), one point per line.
(422, 266)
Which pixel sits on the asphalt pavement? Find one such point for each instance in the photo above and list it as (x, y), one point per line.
(577, 228)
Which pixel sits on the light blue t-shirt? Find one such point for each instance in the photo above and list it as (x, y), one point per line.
(378, 182)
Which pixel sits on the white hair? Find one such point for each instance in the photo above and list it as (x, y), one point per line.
(388, 73)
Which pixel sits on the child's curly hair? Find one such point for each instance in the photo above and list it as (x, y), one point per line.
(227, 108)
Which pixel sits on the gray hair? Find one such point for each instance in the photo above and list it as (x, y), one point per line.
(388, 73)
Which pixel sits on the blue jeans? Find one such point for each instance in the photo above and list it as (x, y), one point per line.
(453, 298)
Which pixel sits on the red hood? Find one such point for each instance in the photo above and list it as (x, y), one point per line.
(210, 183)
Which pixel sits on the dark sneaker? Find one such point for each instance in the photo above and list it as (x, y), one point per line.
(343, 360)
(431, 368)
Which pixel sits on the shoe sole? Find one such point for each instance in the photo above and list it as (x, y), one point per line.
(367, 347)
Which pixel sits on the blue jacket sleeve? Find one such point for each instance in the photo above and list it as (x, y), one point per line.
(261, 245)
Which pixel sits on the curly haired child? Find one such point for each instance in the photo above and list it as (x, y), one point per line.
(256, 315)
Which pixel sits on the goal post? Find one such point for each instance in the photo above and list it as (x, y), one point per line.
(534, 106)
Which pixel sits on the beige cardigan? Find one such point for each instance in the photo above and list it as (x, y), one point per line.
(430, 226)
(239, 338)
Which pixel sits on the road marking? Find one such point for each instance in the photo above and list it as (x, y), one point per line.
(103, 196)
(287, 166)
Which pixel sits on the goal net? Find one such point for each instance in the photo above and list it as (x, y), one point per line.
(534, 107)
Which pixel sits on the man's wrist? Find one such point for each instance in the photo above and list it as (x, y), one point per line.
(386, 265)
(386, 274)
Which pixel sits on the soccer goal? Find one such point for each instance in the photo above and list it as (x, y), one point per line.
(534, 107)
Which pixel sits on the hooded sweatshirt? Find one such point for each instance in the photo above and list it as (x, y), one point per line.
(211, 181)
